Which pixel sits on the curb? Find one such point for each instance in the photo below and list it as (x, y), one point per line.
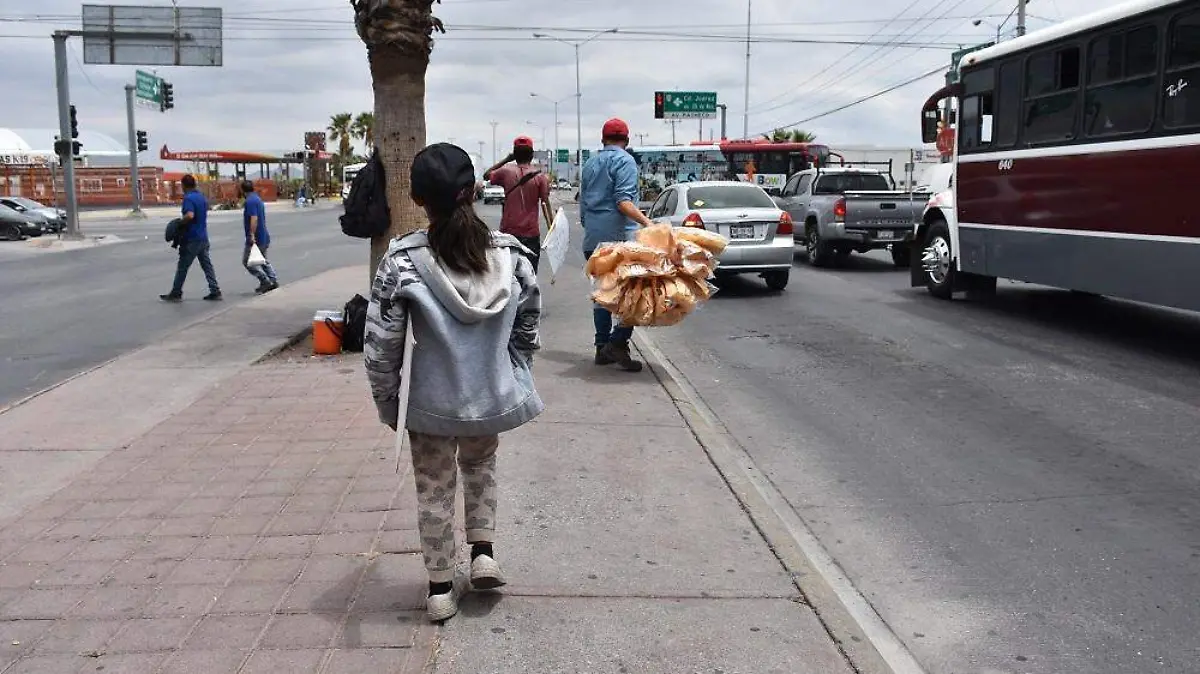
(284, 345)
(860, 633)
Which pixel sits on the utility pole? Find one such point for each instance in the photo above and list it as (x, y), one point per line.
(641, 138)
(494, 157)
(578, 119)
(481, 144)
(1021, 17)
(746, 109)
(701, 136)
(724, 112)
(64, 133)
(673, 122)
(133, 153)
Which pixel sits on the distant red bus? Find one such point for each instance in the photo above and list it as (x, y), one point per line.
(1077, 150)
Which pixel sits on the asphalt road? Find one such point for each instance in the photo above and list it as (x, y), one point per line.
(64, 312)
(1015, 485)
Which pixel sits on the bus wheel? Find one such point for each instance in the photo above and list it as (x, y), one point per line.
(937, 260)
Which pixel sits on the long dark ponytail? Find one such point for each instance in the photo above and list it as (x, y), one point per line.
(443, 178)
(460, 239)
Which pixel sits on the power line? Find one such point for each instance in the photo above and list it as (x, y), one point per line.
(818, 73)
(864, 99)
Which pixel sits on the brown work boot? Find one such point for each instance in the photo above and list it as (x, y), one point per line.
(602, 357)
(618, 352)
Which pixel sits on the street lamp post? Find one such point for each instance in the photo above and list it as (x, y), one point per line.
(537, 95)
(540, 126)
(578, 93)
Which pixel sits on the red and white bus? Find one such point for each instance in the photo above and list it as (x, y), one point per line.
(762, 162)
(1076, 149)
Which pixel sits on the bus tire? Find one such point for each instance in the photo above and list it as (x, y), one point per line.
(937, 259)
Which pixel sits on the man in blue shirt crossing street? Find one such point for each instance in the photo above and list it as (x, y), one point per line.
(195, 244)
(254, 222)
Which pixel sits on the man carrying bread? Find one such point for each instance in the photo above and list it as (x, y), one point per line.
(608, 211)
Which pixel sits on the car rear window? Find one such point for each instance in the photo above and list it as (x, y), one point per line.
(728, 196)
(839, 183)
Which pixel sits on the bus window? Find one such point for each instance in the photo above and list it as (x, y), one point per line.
(975, 126)
(1051, 95)
(1008, 104)
(1181, 86)
(1121, 82)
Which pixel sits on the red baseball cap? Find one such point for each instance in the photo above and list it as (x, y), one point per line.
(523, 141)
(615, 128)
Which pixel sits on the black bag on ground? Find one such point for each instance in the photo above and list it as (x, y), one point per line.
(354, 317)
(366, 206)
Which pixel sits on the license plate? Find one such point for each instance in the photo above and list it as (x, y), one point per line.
(885, 235)
(741, 231)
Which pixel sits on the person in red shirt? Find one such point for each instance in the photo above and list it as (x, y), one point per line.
(526, 196)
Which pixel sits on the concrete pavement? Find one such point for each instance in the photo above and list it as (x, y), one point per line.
(259, 526)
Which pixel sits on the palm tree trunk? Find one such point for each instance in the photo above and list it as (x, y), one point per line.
(399, 133)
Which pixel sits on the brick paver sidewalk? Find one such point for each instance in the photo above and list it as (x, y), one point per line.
(262, 530)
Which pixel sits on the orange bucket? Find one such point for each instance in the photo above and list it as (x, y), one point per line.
(327, 333)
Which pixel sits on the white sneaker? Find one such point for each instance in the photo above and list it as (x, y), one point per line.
(441, 607)
(485, 573)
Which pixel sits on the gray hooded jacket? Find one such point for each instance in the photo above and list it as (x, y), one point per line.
(475, 336)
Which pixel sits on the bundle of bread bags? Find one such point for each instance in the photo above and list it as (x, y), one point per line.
(658, 279)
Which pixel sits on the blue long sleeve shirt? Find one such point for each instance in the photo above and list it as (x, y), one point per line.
(609, 177)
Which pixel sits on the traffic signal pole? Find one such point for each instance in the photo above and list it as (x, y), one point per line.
(136, 194)
(64, 133)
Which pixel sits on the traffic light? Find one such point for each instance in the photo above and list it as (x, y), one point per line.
(142, 143)
(168, 96)
(61, 147)
(74, 124)
(658, 105)
(75, 145)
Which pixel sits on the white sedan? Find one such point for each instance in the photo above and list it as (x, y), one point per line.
(493, 193)
(759, 232)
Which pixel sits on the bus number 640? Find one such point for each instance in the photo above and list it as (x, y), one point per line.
(1006, 164)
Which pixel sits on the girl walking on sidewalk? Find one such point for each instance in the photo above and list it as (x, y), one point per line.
(473, 300)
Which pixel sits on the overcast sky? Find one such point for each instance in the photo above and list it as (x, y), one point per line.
(290, 64)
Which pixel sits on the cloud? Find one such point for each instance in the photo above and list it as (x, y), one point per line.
(290, 64)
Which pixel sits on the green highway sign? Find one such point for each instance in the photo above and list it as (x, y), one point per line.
(685, 104)
(563, 156)
(149, 88)
(587, 154)
(956, 58)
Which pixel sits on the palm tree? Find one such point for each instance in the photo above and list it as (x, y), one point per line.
(399, 39)
(341, 130)
(364, 129)
(793, 136)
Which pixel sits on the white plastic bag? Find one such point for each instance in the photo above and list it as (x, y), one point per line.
(255, 258)
(557, 241)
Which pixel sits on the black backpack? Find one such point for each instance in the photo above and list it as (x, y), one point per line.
(354, 317)
(367, 212)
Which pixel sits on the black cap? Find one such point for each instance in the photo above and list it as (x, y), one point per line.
(247, 186)
(440, 173)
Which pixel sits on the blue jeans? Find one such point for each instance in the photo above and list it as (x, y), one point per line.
(189, 252)
(603, 318)
(266, 273)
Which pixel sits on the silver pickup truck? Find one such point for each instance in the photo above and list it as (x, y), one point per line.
(842, 210)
